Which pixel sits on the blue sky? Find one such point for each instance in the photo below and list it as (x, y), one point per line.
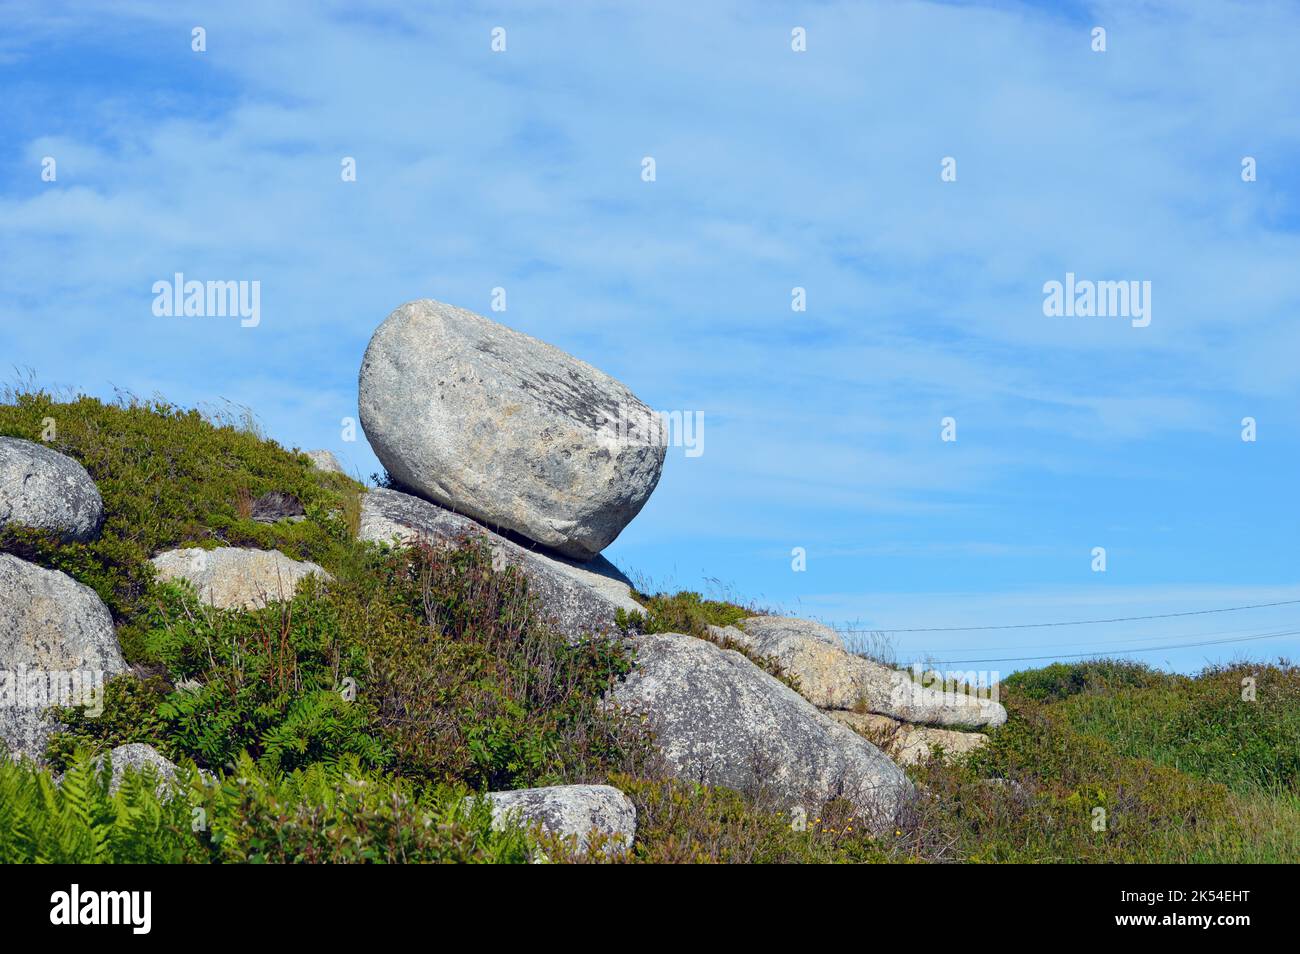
(775, 169)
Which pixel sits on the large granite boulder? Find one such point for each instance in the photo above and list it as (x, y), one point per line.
(234, 577)
(832, 678)
(570, 811)
(57, 648)
(720, 720)
(579, 599)
(44, 489)
(506, 429)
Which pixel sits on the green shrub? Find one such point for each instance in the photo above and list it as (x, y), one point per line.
(1061, 680)
(168, 476)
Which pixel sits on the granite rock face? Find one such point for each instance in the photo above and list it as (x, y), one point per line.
(57, 647)
(832, 678)
(570, 811)
(44, 489)
(325, 460)
(506, 429)
(140, 757)
(579, 599)
(234, 577)
(909, 744)
(720, 720)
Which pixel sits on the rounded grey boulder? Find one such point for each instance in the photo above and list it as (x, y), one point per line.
(509, 430)
(720, 720)
(44, 489)
(57, 648)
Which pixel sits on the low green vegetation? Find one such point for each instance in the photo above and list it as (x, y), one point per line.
(349, 722)
(325, 813)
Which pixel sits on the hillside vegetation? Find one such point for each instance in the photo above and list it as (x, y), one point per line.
(348, 723)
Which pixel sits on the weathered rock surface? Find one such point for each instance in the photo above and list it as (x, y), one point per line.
(580, 599)
(44, 489)
(570, 811)
(831, 678)
(236, 578)
(57, 646)
(721, 720)
(325, 460)
(139, 757)
(909, 744)
(506, 429)
(769, 628)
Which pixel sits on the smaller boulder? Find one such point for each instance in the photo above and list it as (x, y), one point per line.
(570, 811)
(46, 490)
(140, 757)
(325, 460)
(236, 578)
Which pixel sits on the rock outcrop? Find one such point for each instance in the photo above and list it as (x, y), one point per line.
(720, 720)
(570, 811)
(139, 757)
(909, 744)
(506, 429)
(236, 578)
(832, 678)
(325, 460)
(57, 647)
(44, 489)
(580, 599)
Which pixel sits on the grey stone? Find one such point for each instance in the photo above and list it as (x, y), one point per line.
(140, 757)
(768, 627)
(570, 811)
(55, 634)
(44, 489)
(831, 678)
(720, 720)
(236, 578)
(909, 744)
(579, 599)
(325, 460)
(506, 429)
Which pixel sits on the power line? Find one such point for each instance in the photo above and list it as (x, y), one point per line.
(1082, 642)
(1076, 622)
(1145, 649)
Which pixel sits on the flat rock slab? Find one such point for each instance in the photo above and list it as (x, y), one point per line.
(57, 647)
(506, 429)
(44, 489)
(720, 720)
(234, 577)
(768, 628)
(570, 811)
(579, 599)
(832, 678)
(909, 744)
